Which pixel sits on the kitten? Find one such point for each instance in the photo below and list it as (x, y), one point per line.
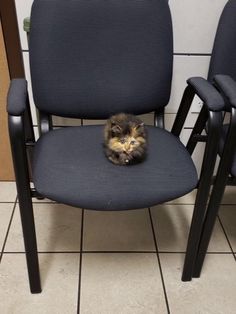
(125, 139)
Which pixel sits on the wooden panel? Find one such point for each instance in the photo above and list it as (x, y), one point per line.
(11, 38)
(6, 169)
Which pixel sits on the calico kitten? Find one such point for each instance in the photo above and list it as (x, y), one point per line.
(125, 139)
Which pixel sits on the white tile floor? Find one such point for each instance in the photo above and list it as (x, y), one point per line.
(119, 270)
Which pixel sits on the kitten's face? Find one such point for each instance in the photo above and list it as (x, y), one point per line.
(125, 144)
(125, 139)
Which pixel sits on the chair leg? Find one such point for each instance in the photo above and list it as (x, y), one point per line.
(16, 131)
(194, 233)
(28, 227)
(208, 226)
(217, 194)
(202, 195)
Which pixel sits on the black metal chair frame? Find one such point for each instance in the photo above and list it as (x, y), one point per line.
(221, 71)
(214, 121)
(223, 177)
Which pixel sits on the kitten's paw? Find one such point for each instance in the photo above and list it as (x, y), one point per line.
(113, 160)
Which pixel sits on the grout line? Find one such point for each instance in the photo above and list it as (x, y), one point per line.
(159, 262)
(144, 252)
(8, 229)
(111, 252)
(8, 202)
(170, 204)
(7, 181)
(175, 53)
(226, 236)
(191, 54)
(182, 252)
(47, 202)
(44, 252)
(147, 252)
(119, 252)
(80, 262)
(220, 253)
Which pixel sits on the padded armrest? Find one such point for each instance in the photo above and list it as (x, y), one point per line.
(17, 97)
(208, 94)
(227, 86)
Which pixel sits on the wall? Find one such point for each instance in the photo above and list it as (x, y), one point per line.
(194, 24)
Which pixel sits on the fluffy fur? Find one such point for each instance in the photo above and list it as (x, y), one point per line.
(125, 139)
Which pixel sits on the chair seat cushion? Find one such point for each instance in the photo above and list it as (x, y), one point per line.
(221, 147)
(70, 167)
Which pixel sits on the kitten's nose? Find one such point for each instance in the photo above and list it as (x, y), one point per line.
(126, 147)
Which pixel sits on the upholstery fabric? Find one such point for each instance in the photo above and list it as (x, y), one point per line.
(212, 99)
(17, 97)
(91, 59)
(223, 59)
(227, 86)
(70, 167)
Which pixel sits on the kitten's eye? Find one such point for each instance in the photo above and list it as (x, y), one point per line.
(132, 142)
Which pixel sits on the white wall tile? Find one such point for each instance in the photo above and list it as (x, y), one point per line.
(189, 122)
(36, 133)
(60, 121)
(194, 24)
(148, 119)
(27, 74)
(198, 152)
(184, 68)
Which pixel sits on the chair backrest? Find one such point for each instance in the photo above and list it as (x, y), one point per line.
(223, 60)
(94, 58)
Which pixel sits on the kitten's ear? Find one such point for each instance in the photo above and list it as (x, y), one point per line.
(139, 125)
(116, 128)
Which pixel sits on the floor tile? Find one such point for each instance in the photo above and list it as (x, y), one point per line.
(7, 191)
(186, 199)
(228, 198)
(227, 216)
(229, 195)
(57, 227)
(5, 216)
(43, 200)
(212, 293)
(172, 225)
(125, 283)
(59, 276)
(117, 231)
